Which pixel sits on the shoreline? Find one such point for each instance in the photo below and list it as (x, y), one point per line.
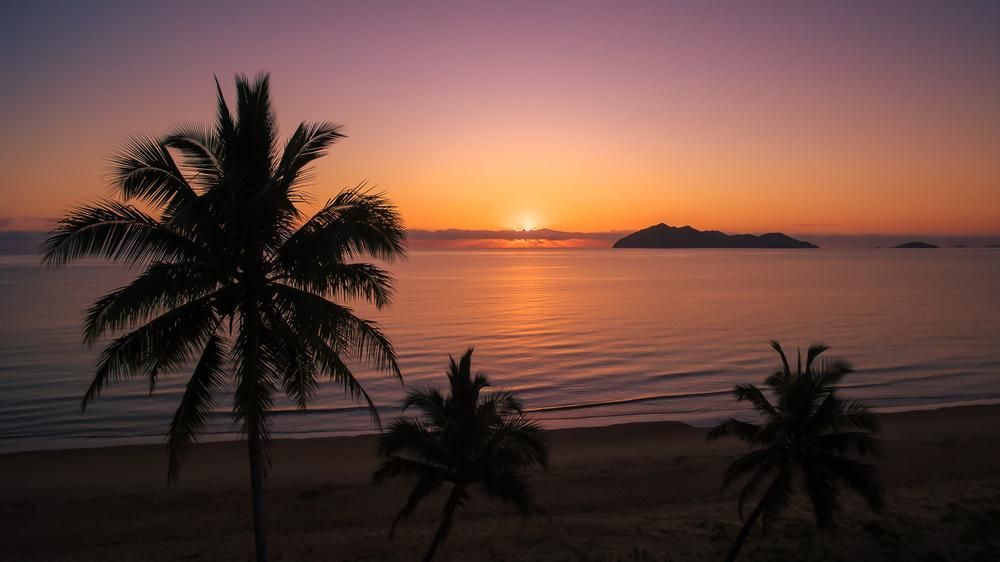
(607, 420)
(651, 486)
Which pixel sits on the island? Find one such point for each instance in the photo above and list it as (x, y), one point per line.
(665, 236)
(910, 245)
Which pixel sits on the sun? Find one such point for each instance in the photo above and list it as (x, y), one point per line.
(528, 222)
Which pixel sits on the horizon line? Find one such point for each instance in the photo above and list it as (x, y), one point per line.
(502, 233)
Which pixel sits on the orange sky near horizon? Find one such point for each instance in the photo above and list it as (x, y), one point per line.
(811, 118)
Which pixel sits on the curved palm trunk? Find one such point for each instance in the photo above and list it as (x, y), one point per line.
(447, 517)
(754, 516)
(745, 532)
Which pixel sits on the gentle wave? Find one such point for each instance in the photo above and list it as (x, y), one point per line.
(583, 337)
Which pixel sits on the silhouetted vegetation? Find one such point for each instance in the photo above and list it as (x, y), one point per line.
(468, 438)
(233, 277)
(809, 433)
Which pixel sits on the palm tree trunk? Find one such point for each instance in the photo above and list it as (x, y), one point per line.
(447, 517)
(257, 491)
(254, 444)
(752, 520)
(745, 530)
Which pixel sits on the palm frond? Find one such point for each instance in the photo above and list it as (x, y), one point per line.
(161, 286)
(431, 403)
(395, 466)
(329, 361)
(512, 488)
(859, 415)
(200, 149)
(291, 357)
(144, 169)
(118, 232)
(308, 143)
(359, 339)
(522, 443)
(225, 127)
(822, 492)
(164, 343)
(344, 281)
(786, 370)
(859, 443)
(408, 438)
(256, 132)
(752, 394)
(355, 223)
(423, 488)
(829, 375)
(744, 431)
(745, 464)
(256, 381)
(858, 476)
(196, 403)
(815, 351)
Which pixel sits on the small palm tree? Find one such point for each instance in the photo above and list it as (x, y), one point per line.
(464, 439)
(235, 279)
(811, 433)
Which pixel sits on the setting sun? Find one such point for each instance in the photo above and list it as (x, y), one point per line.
(527, 222)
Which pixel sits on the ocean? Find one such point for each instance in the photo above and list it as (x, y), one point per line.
(585, 337)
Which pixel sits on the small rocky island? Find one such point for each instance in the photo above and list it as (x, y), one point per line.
(916, 245)
(665, 236)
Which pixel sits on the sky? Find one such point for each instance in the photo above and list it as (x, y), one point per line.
(820, 117)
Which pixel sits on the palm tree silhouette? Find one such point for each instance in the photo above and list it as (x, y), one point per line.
(810, 432)
(233, 275)
(465, 439)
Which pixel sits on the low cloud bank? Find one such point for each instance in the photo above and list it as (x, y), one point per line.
(454, 238)
(540, 234)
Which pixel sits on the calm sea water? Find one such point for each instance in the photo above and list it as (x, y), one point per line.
(585, 337)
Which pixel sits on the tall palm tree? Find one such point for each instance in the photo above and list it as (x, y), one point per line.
(467, 438)
(234, 278)
(811, 432)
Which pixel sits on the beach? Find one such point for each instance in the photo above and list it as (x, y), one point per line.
(635, 492)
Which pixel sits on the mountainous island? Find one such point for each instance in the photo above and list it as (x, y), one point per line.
(913, 245)
(665, 236)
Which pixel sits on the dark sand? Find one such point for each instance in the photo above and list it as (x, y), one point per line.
(632, 492)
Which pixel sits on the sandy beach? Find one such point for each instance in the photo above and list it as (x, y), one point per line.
(637, 492)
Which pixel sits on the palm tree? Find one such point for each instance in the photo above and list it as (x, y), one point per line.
(811, 432)
(464, 439)
(234, 278)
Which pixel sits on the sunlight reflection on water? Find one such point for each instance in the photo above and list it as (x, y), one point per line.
(587, 337)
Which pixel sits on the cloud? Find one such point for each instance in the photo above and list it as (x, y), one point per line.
(454, 238)
(540, 234)
(13, 242)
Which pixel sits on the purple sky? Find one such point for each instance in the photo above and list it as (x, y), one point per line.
(582, 116)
